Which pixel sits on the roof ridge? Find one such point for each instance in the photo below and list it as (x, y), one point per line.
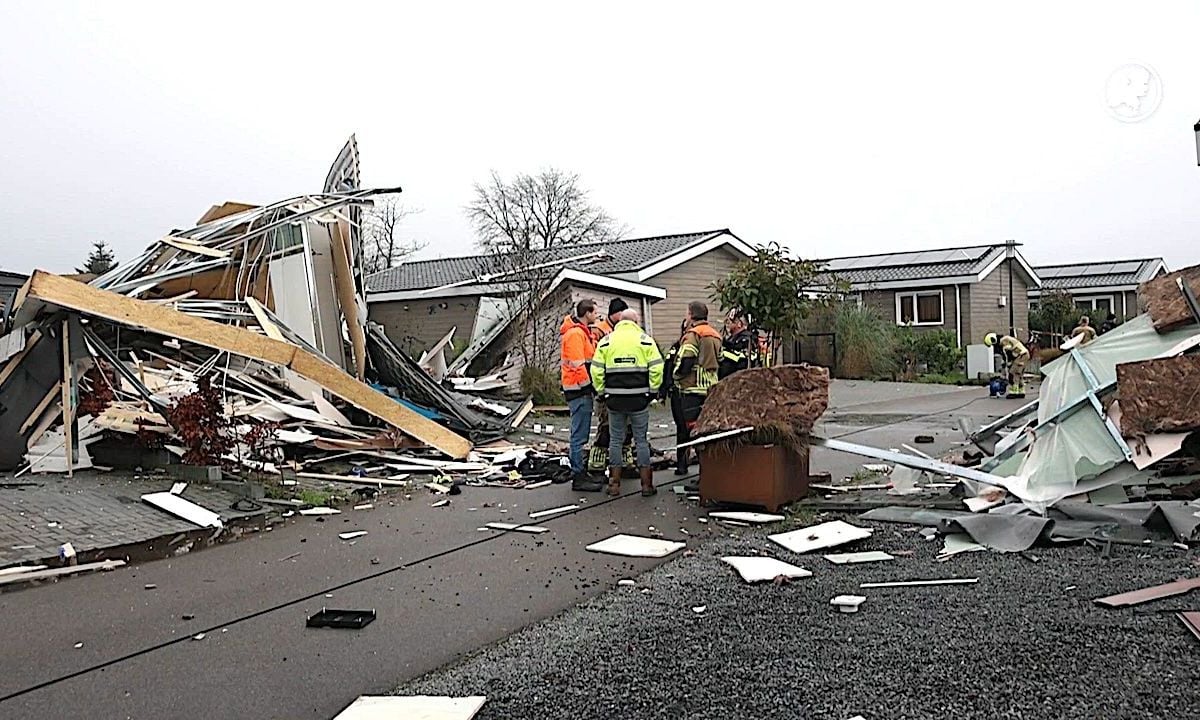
(1099, 262)
(913, 252)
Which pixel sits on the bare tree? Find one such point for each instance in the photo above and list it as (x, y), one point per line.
(383, 245)
(529, 221)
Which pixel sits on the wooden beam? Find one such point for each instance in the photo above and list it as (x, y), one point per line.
(264, 322)
(343, 280)
(68, 410)
(59, 572)
(41, 408)
(15, 360)
(88, 300)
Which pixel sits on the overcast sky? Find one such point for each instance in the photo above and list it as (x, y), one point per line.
(836, 127)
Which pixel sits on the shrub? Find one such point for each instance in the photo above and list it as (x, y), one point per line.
(933, 351)
(542, 385)
(865, 342)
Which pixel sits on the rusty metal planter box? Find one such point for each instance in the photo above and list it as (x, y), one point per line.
(767, 476)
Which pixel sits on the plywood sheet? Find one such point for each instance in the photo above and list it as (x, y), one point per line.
(635, 546)
(1159, 396)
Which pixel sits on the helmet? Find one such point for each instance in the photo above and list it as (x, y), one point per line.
(989, 339)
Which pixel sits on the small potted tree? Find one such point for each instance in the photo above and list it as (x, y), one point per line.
(767, 466)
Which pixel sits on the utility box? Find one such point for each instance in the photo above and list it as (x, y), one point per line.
(981, 362)
(766, 476)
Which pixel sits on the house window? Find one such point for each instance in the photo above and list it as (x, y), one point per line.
(919, 308)
(1099, 305)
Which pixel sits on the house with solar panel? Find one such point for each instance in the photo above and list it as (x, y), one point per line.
(1100, 288)
(969, 291)
(418, 302)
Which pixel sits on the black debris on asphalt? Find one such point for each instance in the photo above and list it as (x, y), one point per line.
(1026, 641)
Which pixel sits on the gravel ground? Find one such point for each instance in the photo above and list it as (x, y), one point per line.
(1022, 643)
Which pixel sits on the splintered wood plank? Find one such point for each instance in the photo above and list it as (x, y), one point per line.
(41, 408)
(187, 246)
(263, 321)
(88, 300)
(343, 279)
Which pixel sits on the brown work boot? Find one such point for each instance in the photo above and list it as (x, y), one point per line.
(648, 488)
(614, 481)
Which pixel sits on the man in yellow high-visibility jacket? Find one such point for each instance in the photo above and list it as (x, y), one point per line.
(627, 371)
(695, 372)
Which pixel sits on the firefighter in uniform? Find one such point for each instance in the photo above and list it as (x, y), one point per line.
(696, 370)
(1017, 356)
(740, 348)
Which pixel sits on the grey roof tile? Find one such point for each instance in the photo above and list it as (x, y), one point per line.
(915, 265)
(627, 256)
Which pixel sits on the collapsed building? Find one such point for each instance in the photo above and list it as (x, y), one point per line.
(241, 341)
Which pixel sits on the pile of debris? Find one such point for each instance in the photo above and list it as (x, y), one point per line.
(766, 405)
(241, 342)
(1106, 454)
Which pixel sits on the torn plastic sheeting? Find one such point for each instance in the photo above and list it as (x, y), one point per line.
(1001, 532)
(1178, 518)
(1080, 447)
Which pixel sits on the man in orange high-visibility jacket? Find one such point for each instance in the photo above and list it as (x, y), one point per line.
(578, 348)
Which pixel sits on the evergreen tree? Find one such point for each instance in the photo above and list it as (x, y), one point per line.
(100, 260)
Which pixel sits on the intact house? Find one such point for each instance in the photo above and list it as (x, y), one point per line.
(419, 302)
(969, 291)
(1100, 288)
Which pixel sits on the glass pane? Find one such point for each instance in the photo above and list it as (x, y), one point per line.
(1104, 306)
(929, 308)
(1083, 304)
(906, 308)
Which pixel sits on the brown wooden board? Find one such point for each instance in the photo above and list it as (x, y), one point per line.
(1136, 597)
(1164, 301)
(60, 291)
(1159, 396)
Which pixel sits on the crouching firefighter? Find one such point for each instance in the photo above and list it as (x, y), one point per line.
(1016, 356)
(696, 370)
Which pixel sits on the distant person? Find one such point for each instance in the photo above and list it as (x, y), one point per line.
(739, 350)
(1109, 323)
(696, 371)
(577, 348)
(1085, 329)
(627, 371)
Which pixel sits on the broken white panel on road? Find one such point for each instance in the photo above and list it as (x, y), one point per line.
(536, 529)
(762, 569)
(918, 583)
(636, 546)
(552, 511)
(352, 534)
(817, 537)
(848, 603)
(959, 543)
(183, 508)
(859, 557)
(750, 517)
(321, 511)
(412, 707)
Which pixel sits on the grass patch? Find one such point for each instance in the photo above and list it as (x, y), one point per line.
(316, 498)
(953, 378)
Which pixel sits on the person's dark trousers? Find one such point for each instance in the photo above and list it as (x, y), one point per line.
(581, 425)
(682, 433)
(690, 406)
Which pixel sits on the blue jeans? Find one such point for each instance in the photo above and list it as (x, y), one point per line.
(640, 421)
(581, 425)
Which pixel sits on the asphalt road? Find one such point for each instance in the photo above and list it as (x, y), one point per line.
(441, 589)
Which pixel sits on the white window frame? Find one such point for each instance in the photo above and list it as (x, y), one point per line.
(914, 295)
(1091, 300)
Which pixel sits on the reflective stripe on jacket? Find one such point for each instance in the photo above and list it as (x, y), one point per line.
(577, 351)
(627, 367)
(738, 353)
(699, 359)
